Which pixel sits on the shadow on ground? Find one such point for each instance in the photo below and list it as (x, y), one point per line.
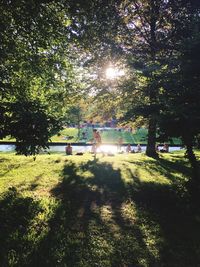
(98, 220)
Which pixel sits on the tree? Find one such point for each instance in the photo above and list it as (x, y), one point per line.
(180, 115)
(36, 74)
(139, 31)
(32, 124)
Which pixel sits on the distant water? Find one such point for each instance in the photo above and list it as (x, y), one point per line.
(106, 148)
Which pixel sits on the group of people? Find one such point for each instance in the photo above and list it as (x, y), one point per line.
(96, 143)
(130, 150)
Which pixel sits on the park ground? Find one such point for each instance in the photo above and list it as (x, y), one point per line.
(77, 211)
(139, 136)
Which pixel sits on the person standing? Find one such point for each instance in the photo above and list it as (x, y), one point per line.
(96, 137)
(96, 141)
(120, 142)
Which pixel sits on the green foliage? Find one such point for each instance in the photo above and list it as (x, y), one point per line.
(36, 74)
(181, 110)
(32, 125)
(180, 99)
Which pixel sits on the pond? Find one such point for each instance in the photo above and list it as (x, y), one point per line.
(85, 148)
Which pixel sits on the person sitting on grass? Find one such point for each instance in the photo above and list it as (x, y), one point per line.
(139, 149)
(68, 149)
(165, 148)
(128, 148)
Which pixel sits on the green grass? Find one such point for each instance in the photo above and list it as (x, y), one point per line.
(110, 136)
(74, 211)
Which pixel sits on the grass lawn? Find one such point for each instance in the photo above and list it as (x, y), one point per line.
(117, 211)
(110, 136)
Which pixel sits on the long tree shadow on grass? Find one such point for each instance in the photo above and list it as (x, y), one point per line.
(16, 227)
(169, 169)
(103, 222)
(98, 220)
(179, 227)
(89, 227)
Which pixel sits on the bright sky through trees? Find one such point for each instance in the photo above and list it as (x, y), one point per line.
(112, 73)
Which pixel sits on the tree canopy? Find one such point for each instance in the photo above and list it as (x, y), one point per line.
(37, 73)
(53, 53)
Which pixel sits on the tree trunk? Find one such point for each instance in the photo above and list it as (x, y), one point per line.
(79, 128)
(198, 141)
(193, 162)
(153, 90)
(193, 184)
(151, 143)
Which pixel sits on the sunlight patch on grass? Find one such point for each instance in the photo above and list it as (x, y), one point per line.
(27, 174)
(107, 216)
(106, 213)
(152, 235)
(129, 213)
(85, 174)
(146, 175)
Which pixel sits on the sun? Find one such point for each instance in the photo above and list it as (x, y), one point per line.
(112, 73)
